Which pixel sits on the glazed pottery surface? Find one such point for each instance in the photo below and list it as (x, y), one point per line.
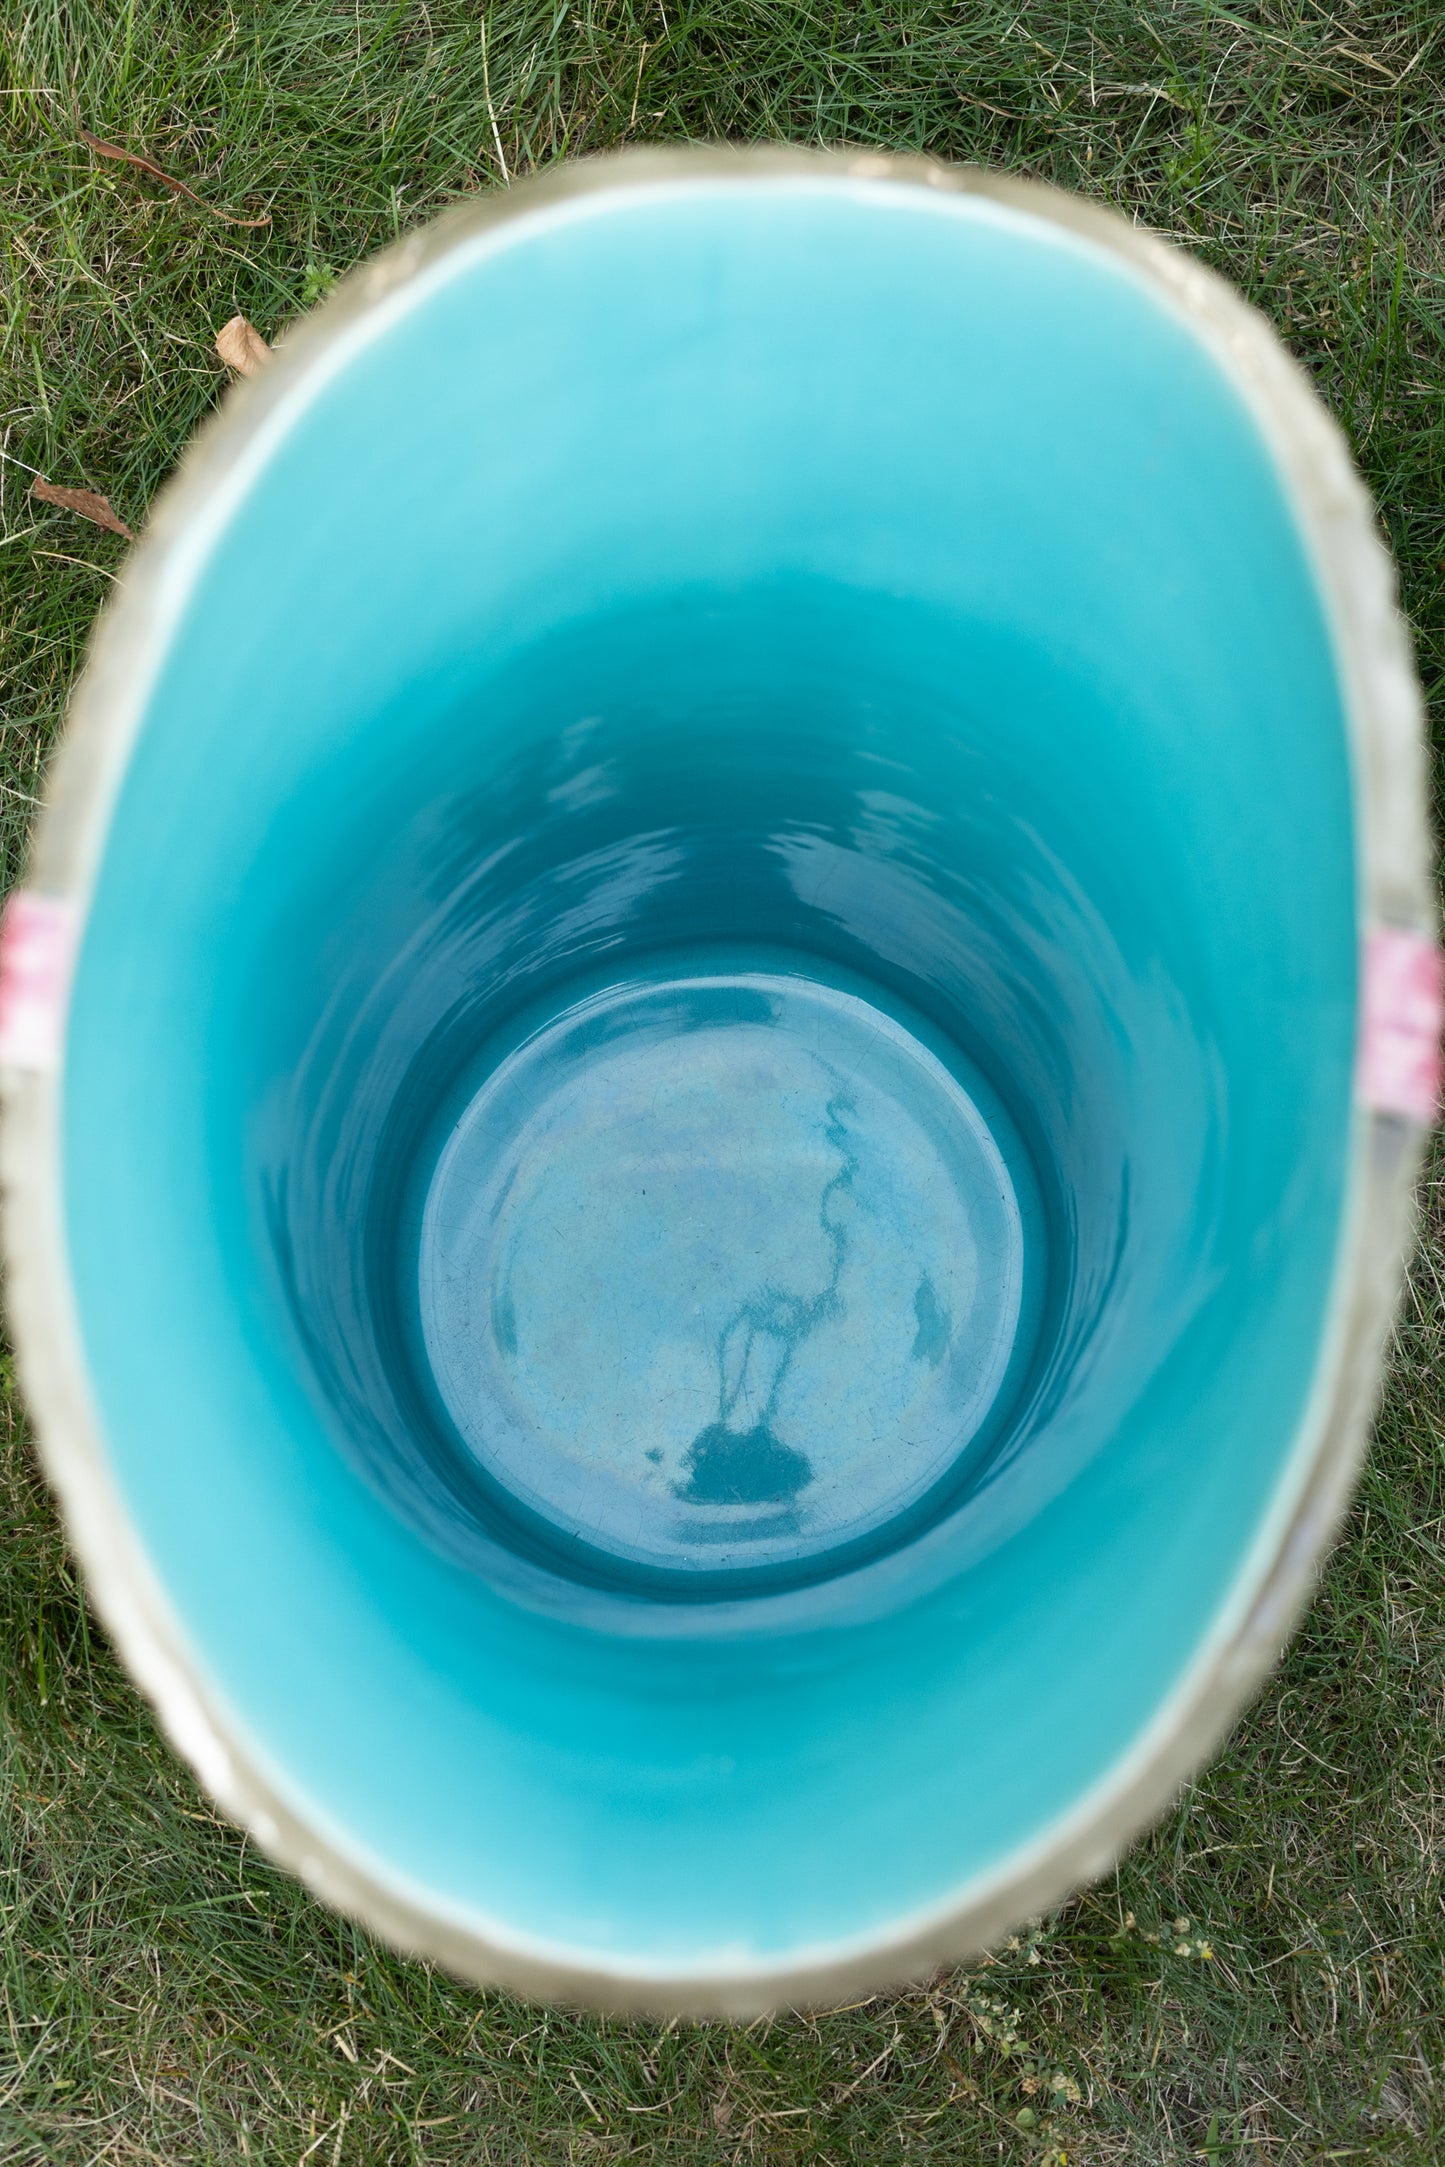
(706, 1200)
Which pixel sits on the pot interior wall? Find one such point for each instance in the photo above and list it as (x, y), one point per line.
(708, 1090)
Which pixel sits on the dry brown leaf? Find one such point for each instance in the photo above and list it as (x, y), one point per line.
(241, 346)
(88, 502)
(157, 173)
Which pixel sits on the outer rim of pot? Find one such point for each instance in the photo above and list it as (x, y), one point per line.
(1394, 888)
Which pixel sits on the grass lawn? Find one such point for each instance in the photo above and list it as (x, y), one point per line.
(1264, 1978)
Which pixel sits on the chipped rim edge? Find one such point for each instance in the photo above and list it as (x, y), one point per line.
(1394, 888)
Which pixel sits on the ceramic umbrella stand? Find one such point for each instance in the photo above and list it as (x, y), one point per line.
(714, 1053)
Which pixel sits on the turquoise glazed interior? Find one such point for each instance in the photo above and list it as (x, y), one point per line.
(707, 1092)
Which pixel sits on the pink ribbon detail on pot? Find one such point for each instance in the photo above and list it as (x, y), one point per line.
(37, 948)
(1402, 1011)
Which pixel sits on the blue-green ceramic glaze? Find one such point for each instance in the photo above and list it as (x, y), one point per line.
(707, 1094)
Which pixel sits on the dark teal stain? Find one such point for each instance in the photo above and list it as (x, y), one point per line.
(934, 1326)
(504, 1321)
(752, 1467)
(742, 1467)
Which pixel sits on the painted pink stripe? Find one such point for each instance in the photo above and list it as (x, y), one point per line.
(37, 948)
(1402, 1011)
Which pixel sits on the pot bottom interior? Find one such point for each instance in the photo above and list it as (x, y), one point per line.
(720, 1270)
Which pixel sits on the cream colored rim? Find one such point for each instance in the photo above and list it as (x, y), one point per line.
(1394, 886)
